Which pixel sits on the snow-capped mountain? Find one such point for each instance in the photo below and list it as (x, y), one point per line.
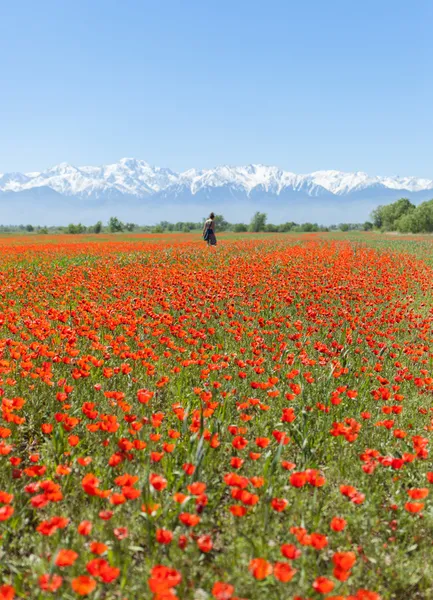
(128, 176)
(137, 178)
(135, 183)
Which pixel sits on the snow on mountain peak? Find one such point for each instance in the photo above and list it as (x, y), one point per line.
(339, 182)
(131, 176)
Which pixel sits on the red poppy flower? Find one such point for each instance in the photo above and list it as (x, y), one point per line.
(83, 585)
(157, 482)
(344, 560)
(84, 528)
(189, 519)
(222, 591)
(318, 541)
(162, 579)
(238, 511)
(6, 512)
(414, 507)
(283, 571)
(163, 536)
(418, 493)
(260, 568)
(205, 544)
(49, 583)
(7, 592)
(279, 504)
(322, 585)
(298, 479)
(65, 558)
(290, 551)
(98, 548)
(338, 524)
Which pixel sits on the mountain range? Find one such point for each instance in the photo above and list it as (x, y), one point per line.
(134, 189)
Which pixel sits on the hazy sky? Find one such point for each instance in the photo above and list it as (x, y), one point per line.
(304, 85)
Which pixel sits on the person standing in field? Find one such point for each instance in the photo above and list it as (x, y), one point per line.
(209, 230)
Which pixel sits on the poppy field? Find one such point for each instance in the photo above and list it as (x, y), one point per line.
(247, 422)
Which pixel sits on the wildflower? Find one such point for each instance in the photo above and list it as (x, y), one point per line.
(338, 524)
(157, 482)
(189, 519)
(238, 511)
(344, 560)
(65, 558)
(222, 591)
(98, 548)
(49, 583)
(319, 541)
(279, 504)
(322, 585)
(162, 579)
(205, 544)
(163, 536)
(121, 533)
(6, 512)
(83, 585)
(7, 592)
(283, 571)
(298, 479)
(260, 568)
(84, 528)
(414, 507)
(418, 493)
(290, 551)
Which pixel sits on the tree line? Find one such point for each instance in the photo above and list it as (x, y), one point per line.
(404, 216)
(258, 223)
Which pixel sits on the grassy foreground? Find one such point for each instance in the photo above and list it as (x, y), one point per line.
(252, 421)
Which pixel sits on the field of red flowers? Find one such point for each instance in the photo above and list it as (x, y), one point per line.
(247, 422)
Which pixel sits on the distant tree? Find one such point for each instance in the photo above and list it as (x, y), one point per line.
(114, 225)
(367, 226)
(386, 217)
(376, 216)
(185, 228)
(97, 228)
(220, 223)
(30, 228)
(43, 230)
(308, 227)
(240, 227)
(271, 228)
(71, 228)
(344, 226)
(423, 215)
(407, 224)
(130, 226)
(289, 226)
(158, 229)
(258, 222)
(419, 220)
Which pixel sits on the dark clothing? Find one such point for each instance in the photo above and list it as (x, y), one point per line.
(210, 227)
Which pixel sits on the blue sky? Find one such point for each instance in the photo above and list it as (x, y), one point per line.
(304, 85)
